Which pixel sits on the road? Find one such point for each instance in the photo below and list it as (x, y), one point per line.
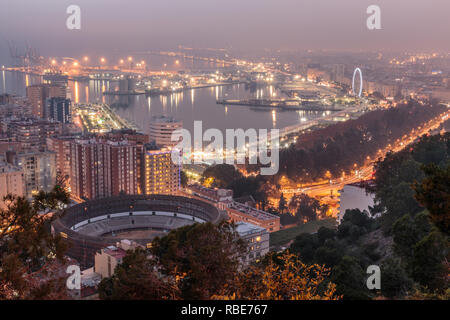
(366, 172)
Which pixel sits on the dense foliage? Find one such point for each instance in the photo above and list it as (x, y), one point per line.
(434, 194)
(228, 177)
(203, 257)
(30, 256)
(280, 277)
(338, 147)
(395, 176)
(409, 244)
(136, 278)
(201, 262)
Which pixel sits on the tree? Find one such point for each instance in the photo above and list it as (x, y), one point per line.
(328, 256)
(183, 178)
(324, 234)
(30, 254)
(305, 245)
(434, 194)
(358, 218)
(400, 202)
(338, 147)
(221, 175)
(282, 204)
(136, 279)
(280, 277)
(413, 168)
(305, 208)
(250, 186)
(428, 261)
(422, 248)
(349, 278)
(354, 224)
(395, 282)
(420, 294)
(405, 237)
(204, 257)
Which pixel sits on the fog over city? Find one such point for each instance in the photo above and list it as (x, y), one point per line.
(234, 152)
(233, 24)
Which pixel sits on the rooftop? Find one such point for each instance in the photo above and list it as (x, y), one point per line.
(258, 214)
(164, 119)
(216, 194)
(6, 168)
(244, 228)
(115, 252)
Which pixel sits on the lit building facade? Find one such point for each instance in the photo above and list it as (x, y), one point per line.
(32, 134)
(257, 240)
(102, 168)
(162, 175)
(161, 129)
(59, 109)
(39, 170)
(38, 94)
(61, 147)
(11, 182)
(237, 212)
(140, 140)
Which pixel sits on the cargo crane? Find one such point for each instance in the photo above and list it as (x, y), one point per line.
(26, 60)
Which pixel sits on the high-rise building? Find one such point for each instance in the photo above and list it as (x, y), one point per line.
(61, 147)
(102, 168)
(15, 110)
(59, 109)
(6, 98)
(38, 170)
(128, 134)
(161, 129)
(338, 72)
(140, 140)
(32, 134)
(11, 182)
(162, 175)
(38, 94)
(124, 171)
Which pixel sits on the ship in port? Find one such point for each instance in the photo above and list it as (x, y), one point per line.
(55, 77)
(283, 104)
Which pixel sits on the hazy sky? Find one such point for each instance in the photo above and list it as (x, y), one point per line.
(153, 24)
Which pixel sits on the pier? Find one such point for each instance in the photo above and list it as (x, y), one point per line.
(281, 104)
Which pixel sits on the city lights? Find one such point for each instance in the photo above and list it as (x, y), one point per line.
(194, 151)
